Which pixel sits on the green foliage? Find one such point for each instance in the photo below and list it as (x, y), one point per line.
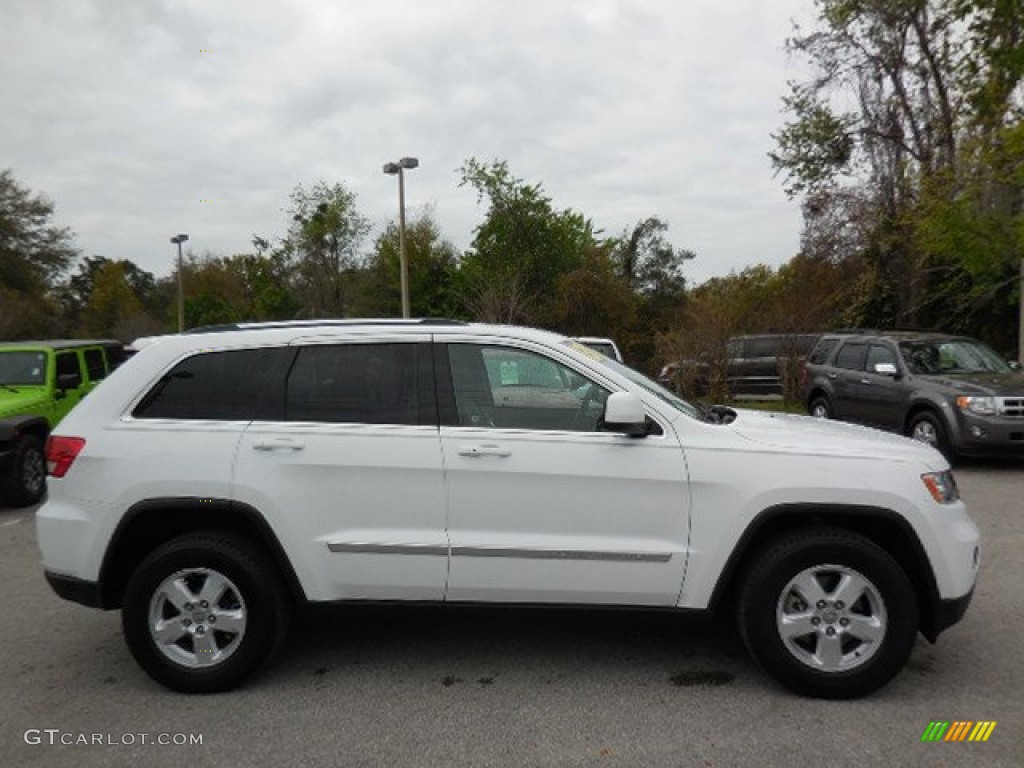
(521, 248)
(244, 287)
(917, 187)
(435, 286)
(34, 253)
(322, 246)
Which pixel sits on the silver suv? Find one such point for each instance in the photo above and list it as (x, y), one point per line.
(217, 481)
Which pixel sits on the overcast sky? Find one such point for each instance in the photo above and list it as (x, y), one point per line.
(144, 118)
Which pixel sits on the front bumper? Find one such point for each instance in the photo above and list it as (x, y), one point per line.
(76, 590)
(979, 435)
(944, 614)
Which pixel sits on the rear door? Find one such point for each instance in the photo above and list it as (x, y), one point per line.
(349, 467)
(845, 375)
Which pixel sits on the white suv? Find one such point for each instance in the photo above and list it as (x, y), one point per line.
(218, 480)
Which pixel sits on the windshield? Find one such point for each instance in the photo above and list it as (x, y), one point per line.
(951, 356)
(640, 380)
(605, 349)
(22, 367)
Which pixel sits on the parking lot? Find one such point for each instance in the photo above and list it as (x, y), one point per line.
(445, 686)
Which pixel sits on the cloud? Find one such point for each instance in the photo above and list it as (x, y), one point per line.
(130, 114)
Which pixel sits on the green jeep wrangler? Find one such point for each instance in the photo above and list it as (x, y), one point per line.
(40, 381)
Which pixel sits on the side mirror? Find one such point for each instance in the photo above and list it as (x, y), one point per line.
(886, 369)
(623, 412)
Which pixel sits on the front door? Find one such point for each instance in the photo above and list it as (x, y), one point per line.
(543, 506)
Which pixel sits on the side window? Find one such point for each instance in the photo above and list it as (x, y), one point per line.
(509, 388)
(878, 354)
(221, 386)
(851, 357)
(362, 384)
(822, 351)
(763, 347)
(67, 365)
(95, 364)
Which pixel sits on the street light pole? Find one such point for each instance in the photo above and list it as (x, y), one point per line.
(398, 169)
(178, 240)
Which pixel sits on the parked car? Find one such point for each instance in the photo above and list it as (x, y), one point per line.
(951, 392)
(40, 381)
(601, 344)
(221, 480)
(754, 366)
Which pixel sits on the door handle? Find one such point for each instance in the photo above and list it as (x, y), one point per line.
(484, 450)
(865, 381)
(278, 444)
(833, 375)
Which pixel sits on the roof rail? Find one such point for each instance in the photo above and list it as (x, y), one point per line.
(332, 322)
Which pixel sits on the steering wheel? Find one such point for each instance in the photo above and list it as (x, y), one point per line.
(591, 394)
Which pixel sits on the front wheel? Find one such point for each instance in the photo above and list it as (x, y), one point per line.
(927, 428)
(203, 612)
(828, 613)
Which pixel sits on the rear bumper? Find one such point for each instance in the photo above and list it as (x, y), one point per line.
(74, 589)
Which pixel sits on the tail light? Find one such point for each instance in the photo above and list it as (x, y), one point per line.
(805, 377)
(61, 453)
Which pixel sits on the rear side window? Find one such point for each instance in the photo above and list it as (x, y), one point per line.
(764, 347)
(822, 351)
(851, 357)
(222, 386)
(362, 384)
(95, 364)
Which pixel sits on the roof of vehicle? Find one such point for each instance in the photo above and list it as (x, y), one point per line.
(60, 343)
(237, 334)
(894, 335)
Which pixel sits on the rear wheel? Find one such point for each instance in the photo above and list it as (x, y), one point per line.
(820, 407)
(828, 613)
(25, 483)
(203, 612)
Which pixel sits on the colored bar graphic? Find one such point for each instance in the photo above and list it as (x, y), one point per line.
(982, 731)
(935, 731)
(958, 730)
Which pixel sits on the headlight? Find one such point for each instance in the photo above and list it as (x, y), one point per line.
(941, 486)
(983, 405)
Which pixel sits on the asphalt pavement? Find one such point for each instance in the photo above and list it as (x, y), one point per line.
(495, 687)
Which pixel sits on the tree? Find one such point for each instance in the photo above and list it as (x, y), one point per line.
(76, 292)
(113, 308)
(916, 177)
(34, 253)
(434, 279)
(521, 249)
(653, 269)
(322, 246)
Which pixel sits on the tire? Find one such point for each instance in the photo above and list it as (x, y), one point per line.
(820, 407)
(25, 483)
(928, 428)
(799, 628)
(204, 593)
